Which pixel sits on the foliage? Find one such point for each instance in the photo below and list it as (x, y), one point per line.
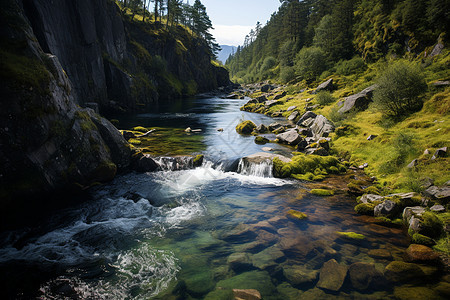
(322, 192)
(324, 98)
(399, 88)
(355, 65)
(310, 63)
(287, 74)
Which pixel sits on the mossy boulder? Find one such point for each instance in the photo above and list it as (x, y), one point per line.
(431, 225)
(296, 214)
(415, 293)
(322, 192)
(365, 209)
(245, 127)
(261, 140)
(399, 271)
(198, 160)
(421, 239)
(420, 253)
(351, 236)
(332, 276)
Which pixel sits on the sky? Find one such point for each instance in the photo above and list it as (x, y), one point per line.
(233, 19)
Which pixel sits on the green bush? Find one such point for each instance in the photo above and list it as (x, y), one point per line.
(269, 63)
(402, 151)
(287, 74)
(324, 98)
(399, 88)
(310, 63)
(352, 66)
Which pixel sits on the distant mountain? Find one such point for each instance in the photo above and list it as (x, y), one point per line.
(225, 52)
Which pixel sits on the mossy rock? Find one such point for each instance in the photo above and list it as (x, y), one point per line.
(421, 239)
(303, 164)
(297, 214)
(415, 293)
(245, 127)
(261, 140)
(198, 160)
(431, 225)
(140, 129)
(399, 271)
(351, 235)
(365, 209)
(220, 294)
(105, 171)
(322, 192)
(372, 190)
(308, 177)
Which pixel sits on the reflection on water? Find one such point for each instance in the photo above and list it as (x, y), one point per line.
(198, 234)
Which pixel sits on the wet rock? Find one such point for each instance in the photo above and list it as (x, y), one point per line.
(239, 236)
(293, 116)
(278, 221)
(332, 276)
(441, 152)
(275, 127)
(370, 198)
(305, 132)
(420, 253)
(325, 86)
(128, 135)
(359, 101)
(145, 164)
(267, 149)
(287, 292)
(268, 258)
(364, 275)
(246, 294)
(291, 108)
(380, 253)
(299, 275)
(260, 157)
(258, 280)
(262, 128)
(261, 99)
(398, 271)
(306, 116)
(386, 209)
(245, 127)
(317, 151)
(290, 137)
(239, 261)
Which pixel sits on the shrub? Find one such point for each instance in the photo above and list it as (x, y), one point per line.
(352, 66)
(310, 63)
(269, 63)
(324, 98)
(402, 150)
(399, 88)
(287, 74)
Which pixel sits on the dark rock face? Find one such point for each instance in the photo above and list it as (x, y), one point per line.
(359, 101)
(100, 52)
(47, 142)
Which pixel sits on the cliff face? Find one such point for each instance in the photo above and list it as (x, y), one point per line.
(47, 142)
(118, 63)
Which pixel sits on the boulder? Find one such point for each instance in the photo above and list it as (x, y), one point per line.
(386, 209)
(261, 99)
(437, 49)
(420, 253)
(325, 86)
(290, 137)
(441, 152)
(291, 108)
(260, 157)
(410, 212)
(412, 164)
(364, 275)
(298, 275)
(436, 193)
(245, 127)
(369, 198)
(145, 164)
(267, 87)
(276, 127)
(359, 101)
(317, 151)
(437, 208)
(279, 96)
(307, 122)
(332, 276)
(270, 103)
(262, 128)
(321, 127)
(293, 116)
(306, 116)
(268, 149)
(399, 271)
(249, 294)
(239, 261)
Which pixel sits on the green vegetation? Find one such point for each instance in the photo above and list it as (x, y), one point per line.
(325, 98)
(297, 214)
(322, 192)
(245, 127)
(351, 235)
(261, 140)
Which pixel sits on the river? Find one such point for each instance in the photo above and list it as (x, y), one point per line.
(197, 233)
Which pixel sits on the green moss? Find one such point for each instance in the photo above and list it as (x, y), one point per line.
(297, 214)
(431, 225)
(198, 160)
(140, 129)
(365, 209)
(322, 192)
(245, 127)
(85, 121)
(443, 245)
(105, 171)
(351, 235)
(134, 141)
(372, 190)
(261, 140)
(418, 238)
(302, 164)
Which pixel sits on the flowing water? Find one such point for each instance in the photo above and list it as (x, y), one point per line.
(198, 233)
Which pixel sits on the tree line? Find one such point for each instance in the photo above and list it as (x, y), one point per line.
(173, 13)
(306, 37)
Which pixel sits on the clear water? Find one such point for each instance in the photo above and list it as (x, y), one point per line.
(196, 233)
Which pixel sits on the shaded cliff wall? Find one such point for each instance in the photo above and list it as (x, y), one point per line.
(47, 142)
(101, 52)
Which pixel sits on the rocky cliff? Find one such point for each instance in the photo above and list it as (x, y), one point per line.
(117, 62)
(47, 142)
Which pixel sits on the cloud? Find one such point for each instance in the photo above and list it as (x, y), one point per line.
(232, 35)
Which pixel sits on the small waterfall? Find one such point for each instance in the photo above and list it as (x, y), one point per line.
(175, 163)
(263, 169)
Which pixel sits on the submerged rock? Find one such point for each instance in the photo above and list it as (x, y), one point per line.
(398, 271)
(332, 276)
(246, 294)
(364, 276)
(298, 274)
(420, 253)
